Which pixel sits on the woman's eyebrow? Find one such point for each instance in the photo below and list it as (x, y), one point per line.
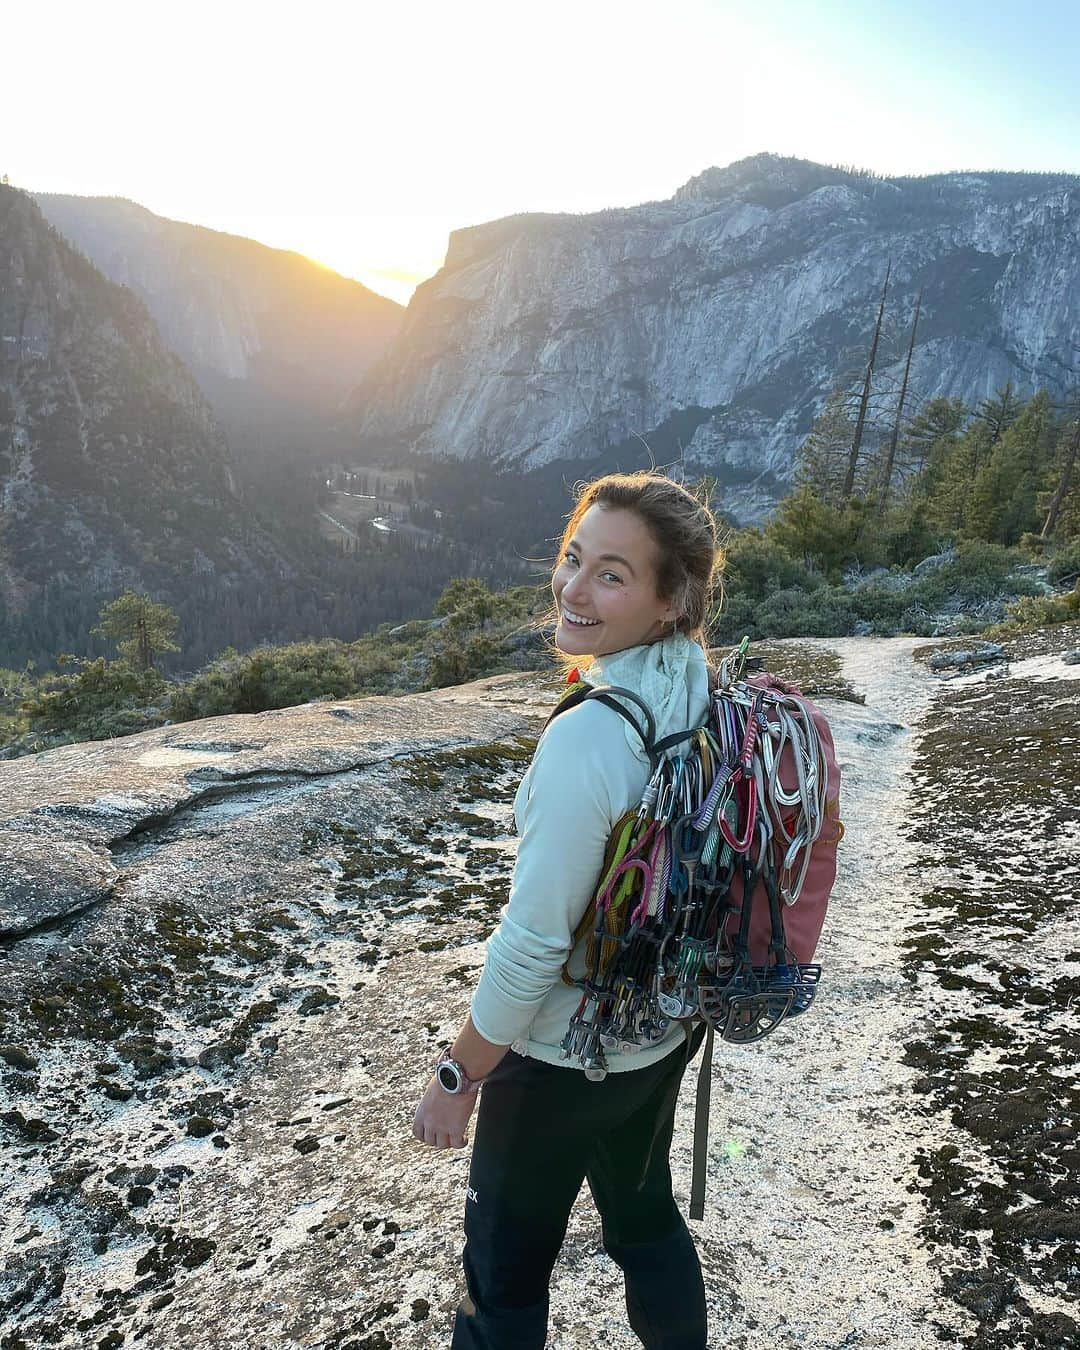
(606, 557)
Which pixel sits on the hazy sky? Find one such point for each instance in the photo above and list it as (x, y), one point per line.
(361, 133)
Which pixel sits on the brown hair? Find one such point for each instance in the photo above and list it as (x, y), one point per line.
(689, 559)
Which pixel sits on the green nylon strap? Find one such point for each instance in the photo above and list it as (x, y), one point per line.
(701, 1129)
(621, 850)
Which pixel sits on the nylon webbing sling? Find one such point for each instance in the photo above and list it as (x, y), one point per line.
(701, 1129)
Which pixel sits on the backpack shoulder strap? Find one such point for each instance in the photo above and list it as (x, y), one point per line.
(569, 700)
(605, 694)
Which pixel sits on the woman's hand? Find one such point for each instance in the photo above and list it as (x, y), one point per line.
(441, 1117)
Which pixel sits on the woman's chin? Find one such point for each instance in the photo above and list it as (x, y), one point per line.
(575, 641)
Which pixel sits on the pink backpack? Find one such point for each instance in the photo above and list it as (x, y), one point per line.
(803, 920)
(748, 804)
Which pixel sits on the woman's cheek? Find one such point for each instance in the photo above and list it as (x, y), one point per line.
(617, 602)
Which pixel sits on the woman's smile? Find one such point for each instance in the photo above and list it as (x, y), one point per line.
(577, 620)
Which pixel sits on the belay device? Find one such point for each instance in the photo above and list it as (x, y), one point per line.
(714, 889)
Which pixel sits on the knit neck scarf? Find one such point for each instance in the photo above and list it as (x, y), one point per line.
(672, 677)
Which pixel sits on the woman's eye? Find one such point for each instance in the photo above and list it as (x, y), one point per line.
(572, 560)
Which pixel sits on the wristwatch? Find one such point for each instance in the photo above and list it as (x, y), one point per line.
(451, 1075)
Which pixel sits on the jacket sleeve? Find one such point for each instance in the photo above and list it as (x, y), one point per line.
(564, 823)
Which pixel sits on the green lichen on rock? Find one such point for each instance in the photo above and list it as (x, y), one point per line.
(475, 766)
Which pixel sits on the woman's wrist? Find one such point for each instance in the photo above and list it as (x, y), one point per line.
(476, 1055)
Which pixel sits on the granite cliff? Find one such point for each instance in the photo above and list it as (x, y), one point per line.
(274, 340)
(714, 324)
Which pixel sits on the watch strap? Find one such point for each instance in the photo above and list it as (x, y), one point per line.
(467, 1084)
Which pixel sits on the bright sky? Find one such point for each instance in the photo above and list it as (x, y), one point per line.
(361, 132)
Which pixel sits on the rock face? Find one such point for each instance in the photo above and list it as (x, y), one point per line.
(208, 1072)
(272, 925)
(113, 470)
(254, 324)
(717, 322)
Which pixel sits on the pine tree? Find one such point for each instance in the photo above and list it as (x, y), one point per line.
(946, 485)
(1069, 446)
(819, 461)
(140, 627)
(1004, 493)
(999, 412)
(807, 527)
(931, 434)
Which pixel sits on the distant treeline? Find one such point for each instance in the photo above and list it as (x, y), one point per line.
(1003, 473)
(958, 520)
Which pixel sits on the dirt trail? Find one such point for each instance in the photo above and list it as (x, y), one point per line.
(812, 1205)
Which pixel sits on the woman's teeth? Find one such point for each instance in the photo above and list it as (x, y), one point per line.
(577, 620)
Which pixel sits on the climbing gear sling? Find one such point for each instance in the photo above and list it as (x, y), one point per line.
(714, 887)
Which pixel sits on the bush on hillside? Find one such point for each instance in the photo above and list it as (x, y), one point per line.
(1064, 567)
(883, 603)
(979, 571)
(455, 662)
(100, 699)
(756, 566)
(468, 602)
(1038, 611)
(281, 677)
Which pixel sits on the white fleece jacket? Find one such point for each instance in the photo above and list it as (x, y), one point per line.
(588, 769)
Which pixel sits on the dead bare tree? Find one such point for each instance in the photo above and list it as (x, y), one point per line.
(890, 457)
(864, 401)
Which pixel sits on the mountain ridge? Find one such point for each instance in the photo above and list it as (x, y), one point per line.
(275, 339)
(113, 468)
(747, 295)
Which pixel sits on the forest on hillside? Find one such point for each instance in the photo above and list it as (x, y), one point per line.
(967, 523)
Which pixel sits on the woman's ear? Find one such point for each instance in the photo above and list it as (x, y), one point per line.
(674, 610)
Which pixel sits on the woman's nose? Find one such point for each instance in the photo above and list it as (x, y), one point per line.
(575, 589)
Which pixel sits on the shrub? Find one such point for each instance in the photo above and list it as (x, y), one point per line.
(806, 527)
(455, 662)
(755, 566)
(880, 603)
(281, 677)
(1064, 566)
(1038, 611)
(905, 536)
(102, 698)
(979, 571)
(826, 612)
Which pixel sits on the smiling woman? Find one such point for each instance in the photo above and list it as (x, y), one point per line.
(634, 563)
(631, 584)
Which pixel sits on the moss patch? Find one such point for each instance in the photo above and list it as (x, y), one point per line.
(816, 671)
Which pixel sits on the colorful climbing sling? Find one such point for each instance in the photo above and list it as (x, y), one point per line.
(714, 887)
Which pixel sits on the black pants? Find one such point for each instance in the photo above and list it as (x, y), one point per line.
(540, 1130)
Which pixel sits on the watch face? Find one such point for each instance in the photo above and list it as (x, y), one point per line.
(448, 1078)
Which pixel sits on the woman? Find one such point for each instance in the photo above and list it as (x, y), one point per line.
(632, 585)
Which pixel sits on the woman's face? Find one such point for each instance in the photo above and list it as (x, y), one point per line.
(605, 586)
